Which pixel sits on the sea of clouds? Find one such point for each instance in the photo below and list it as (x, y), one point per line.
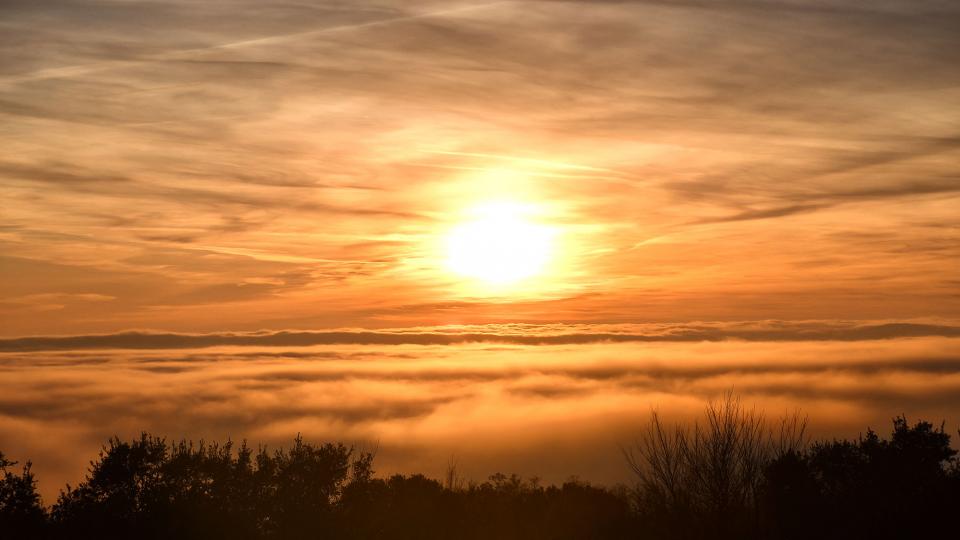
(544, 408)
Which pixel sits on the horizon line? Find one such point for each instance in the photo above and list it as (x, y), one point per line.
(546, 334)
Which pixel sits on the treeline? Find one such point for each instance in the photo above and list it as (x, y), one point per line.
(733, 475)
(730, 476)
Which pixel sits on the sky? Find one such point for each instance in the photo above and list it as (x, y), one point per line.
(209, 183)
(208, 166)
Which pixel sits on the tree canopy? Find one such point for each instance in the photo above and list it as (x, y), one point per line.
(732, 476)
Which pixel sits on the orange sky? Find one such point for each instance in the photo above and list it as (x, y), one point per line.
(258, 209)
(209, 166)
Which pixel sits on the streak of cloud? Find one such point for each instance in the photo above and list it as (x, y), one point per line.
(87, 69)
(298, 166)
(521, 335)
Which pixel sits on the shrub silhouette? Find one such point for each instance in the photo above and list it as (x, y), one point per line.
(505, 507)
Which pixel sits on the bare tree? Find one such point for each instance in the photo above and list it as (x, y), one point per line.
(706, 480)
(452, 480)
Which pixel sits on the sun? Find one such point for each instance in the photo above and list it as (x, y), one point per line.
(500, 244)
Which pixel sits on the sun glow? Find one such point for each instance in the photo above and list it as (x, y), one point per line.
(500, 244)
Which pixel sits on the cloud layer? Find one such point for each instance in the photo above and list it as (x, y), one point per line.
(513, 334)
(549, 410)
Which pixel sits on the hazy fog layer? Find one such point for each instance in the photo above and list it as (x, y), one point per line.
(542, 410)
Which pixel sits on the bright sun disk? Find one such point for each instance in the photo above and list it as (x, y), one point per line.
(500, 245)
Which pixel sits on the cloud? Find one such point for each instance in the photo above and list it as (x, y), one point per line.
(522, 335)
(342, 141)
(550, 410)
(766, 214)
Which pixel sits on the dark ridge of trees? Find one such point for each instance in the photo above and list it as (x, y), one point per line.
(732, 475)
(904, 487)
(149, 488)
(736, 476)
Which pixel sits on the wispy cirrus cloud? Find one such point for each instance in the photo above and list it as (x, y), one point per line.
(758, 140)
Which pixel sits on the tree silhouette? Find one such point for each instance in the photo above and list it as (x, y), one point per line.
(871, 487)
(706, 480)
(21, 512)
(731, 475)
(149, 489)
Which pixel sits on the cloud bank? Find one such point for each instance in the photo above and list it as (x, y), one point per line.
(505, 334)
(549, 410)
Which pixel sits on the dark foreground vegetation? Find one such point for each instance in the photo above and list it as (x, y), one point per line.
(731, 476)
